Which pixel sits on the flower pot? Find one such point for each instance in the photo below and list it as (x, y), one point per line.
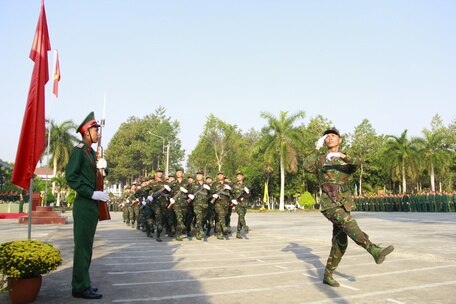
(23, 291)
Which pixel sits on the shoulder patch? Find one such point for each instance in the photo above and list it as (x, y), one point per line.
(80, 145)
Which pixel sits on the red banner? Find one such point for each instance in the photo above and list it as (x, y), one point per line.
(33, 133)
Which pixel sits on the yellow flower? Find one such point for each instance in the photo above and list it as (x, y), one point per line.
(27, 259)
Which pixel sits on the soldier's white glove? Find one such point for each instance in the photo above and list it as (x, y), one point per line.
(172, 200)
(102, 164)
(183, 189)
(215, 195)
(143, 203)
(246, 190)
(191, 196)
(332, 155)
(235, 202)
(320, 142)
(100, 196)
(206, 187)
(150, 198)
(227, 187)
(167, 188)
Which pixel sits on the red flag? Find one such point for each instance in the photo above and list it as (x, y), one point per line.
(55, 86)
(32, 140)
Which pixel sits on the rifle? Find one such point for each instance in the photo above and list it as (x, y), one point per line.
(103, 210)
(174, 198)
(225, 187)
(162, 192)
(234, 201)
(204, 187)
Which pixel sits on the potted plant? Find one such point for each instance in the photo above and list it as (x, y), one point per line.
(22, 264)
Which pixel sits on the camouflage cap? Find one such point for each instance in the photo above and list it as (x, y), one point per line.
(239, 172)
(180, 169)
(332, 130)
(220, 172)
(159, 170)
(200, 172)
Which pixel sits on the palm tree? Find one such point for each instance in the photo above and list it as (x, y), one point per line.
(402, 157)
(61, 186)
(61, 143)
(283, 137)
(432, 150)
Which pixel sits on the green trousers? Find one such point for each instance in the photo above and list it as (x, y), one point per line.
(343, 225)
(85, 220)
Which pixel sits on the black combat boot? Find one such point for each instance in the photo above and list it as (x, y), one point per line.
(158, 236)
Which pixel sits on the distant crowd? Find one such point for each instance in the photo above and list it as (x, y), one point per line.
(419, 202)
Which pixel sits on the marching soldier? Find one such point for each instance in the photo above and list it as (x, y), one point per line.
(199, 198)
(158, 199)
(240, 200)
(221, 198)
(179, 201)
(335, 171)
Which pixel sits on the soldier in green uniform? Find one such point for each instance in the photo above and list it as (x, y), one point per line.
(209, 221)
(241, 194)
(158, 198)
(198, 196)
(335, 171)
(81, 175)
(179, 202)
(221, 197)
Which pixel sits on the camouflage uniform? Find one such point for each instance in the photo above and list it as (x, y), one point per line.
(200, 205)
(241, 194)
(222, 202)
(179, 205)
(158, 198)
(335, 177)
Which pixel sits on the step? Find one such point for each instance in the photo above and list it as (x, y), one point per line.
(44, 220)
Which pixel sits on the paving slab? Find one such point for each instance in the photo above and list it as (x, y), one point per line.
(281, 260)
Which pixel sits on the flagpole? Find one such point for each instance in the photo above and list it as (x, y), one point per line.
(29, 234)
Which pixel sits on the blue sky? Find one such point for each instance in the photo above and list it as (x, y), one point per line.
(392, 62)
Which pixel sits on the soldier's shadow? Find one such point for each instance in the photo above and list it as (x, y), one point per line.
(316, 272)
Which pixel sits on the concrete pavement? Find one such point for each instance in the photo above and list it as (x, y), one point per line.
(280, 261)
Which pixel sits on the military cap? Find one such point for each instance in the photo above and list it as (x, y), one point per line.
(199, 172)
(179, 169)
(220, 172)
(239, 172)
(191, 176)
(159, 170)
(87, 123)
(332, 130)
(208, 177)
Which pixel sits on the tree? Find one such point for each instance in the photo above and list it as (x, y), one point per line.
(217, 146)
(61, 143)
(137, 148)
(364, 144)
(283, 138)
(401, 157)
(61, 186)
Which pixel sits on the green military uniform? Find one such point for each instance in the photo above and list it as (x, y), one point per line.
(81, 175)
(200, 205)
(180, 205)
(221, 199)
(158, 205)
(241, 194)
(335, 175)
